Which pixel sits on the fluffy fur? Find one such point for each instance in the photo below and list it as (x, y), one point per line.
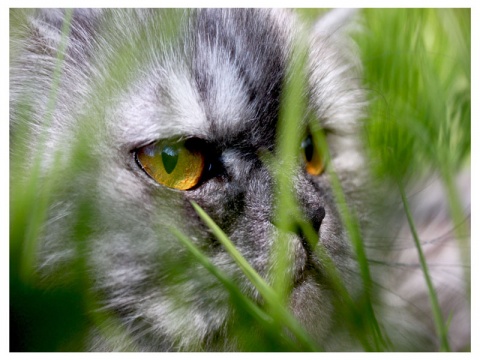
(131, 77)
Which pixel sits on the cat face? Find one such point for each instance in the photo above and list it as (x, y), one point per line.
(200, 104)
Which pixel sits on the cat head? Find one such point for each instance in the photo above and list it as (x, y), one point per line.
(141, 96)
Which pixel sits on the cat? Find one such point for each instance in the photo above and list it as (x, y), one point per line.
(174, 106)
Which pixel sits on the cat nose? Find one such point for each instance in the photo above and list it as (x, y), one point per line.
(313, 212)
(314, 218)
(317, 216)
(307, 227)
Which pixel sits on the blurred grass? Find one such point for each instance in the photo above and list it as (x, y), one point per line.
(417, 70)
(419, 124)
(419, 78)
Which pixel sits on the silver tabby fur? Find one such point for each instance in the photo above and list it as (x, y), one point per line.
(218, 80)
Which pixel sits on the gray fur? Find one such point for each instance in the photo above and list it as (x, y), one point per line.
(219, 80)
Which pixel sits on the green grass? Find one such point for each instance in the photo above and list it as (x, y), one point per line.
(417, 73)
(420, 110)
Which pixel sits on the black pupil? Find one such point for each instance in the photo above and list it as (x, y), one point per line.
(307, 146)
(169, 158)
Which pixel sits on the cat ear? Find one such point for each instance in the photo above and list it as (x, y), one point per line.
(336, 22)
(336, 69)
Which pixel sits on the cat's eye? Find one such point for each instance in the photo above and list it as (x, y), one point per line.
(314, 163)
(175, 164)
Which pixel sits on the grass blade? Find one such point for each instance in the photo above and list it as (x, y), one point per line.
(259, 314)
(353, 230)
(437, 313)
(272, 299)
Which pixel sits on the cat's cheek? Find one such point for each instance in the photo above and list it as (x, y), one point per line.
(311, 303)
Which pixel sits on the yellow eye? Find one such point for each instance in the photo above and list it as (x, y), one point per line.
(172, 164)
(314, 163)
